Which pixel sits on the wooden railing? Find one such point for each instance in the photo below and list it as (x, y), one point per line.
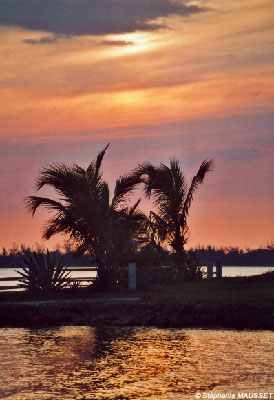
(212, 269)
(8, 279)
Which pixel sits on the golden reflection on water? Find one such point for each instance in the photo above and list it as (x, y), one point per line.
(84, 363)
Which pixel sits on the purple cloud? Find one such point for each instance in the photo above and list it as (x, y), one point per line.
(92, 17)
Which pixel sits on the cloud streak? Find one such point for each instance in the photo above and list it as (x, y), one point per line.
(42, 40)
(239, 153)
(92, 17)
(116, 43)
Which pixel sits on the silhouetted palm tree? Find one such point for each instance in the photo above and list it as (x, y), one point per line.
(172, 198)
(104, 227)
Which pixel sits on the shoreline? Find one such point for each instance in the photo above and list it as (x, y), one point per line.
(123, 312)
(230, 303)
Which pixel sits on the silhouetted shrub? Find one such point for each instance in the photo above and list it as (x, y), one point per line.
(42, 273)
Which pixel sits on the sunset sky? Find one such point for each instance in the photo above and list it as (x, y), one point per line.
(156, 78)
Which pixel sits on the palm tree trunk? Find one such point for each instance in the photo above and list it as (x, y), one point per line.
(106, 275)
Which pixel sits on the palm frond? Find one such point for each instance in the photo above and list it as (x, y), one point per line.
(206, 166)
(146, 171)
(133, 209)
(125, 185)
(166, 185)
(93, 172)
(158, 226)
(60, 223)
(33, 202)
(61, 177)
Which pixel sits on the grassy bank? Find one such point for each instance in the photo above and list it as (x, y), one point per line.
(240, 303)
(245, 290)
(250, 290)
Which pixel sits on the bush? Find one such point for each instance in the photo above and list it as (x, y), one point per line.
(179, 268)
(42, 273)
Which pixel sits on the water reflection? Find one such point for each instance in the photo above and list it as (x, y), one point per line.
(132, 363)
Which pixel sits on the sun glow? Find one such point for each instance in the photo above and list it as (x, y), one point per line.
(192, 83)
(131, 43)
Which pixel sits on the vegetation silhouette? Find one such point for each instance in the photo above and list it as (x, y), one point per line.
(108, 229)
(42, 273)
(263, 256)
(172, 198)
(111, 232)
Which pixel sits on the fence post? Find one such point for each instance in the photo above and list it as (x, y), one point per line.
(209, 272)
(219, 271)
(132, 276)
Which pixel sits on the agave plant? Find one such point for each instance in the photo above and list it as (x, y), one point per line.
(75, 284)
(42, 273)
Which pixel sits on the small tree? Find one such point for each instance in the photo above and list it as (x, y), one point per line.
(105, 227)
(172, 198)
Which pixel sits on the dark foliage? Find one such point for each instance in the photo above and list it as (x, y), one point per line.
(104, 227)
(172, 198)
(236, 256)
(42, 273)
(149, 256)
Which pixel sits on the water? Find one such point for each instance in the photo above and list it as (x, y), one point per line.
(84, 363)
(231, 271)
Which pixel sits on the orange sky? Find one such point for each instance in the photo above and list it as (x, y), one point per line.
(190, 79)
